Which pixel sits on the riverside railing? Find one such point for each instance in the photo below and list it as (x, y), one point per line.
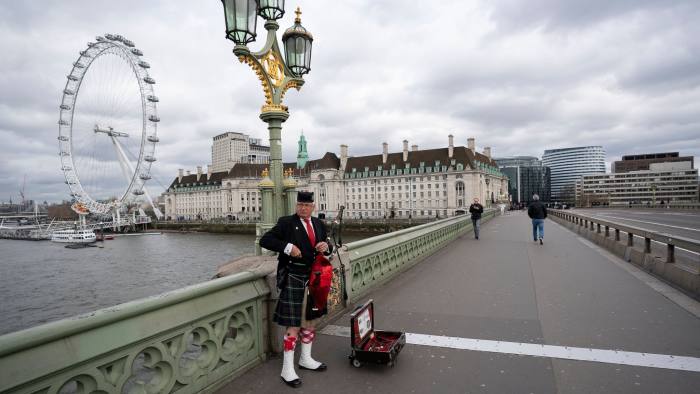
(608, 233)
(197, 338)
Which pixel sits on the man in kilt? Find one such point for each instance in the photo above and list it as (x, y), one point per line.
(298, 239)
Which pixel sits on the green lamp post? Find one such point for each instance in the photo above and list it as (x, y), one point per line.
(277, 72)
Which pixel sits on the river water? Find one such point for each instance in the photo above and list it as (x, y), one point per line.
(42, 281)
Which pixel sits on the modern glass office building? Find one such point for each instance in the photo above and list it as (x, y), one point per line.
(568, 165)
(526, 177)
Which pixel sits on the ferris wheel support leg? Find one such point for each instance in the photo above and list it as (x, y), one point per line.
(124, 163)
(127, 169)
(157, 211)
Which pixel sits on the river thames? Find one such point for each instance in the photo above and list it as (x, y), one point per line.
(42, 281)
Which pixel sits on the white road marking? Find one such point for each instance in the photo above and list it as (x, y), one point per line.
(680, 363)
(655, 223)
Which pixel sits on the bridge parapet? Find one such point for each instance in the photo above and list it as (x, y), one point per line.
(187, 340)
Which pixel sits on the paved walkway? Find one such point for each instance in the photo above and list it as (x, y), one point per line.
(506, 291)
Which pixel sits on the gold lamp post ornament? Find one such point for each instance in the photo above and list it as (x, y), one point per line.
(288, 178)
(277, 73)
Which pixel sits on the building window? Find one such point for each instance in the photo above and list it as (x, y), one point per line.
(459, 189)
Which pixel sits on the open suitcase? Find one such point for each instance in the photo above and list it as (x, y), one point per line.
(370, 345)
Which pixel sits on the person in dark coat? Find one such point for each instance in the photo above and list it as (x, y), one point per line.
(476, 210)
(298, 239)
(538, 213)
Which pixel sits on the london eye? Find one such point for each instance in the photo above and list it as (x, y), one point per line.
(108, 126)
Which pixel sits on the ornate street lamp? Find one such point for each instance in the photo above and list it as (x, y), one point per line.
(297, 46)
(240, 17)
(277, 73)
(271, 9)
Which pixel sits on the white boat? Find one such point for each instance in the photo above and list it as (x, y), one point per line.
(74, 236)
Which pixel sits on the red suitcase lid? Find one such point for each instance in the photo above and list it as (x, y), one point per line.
(362, 323)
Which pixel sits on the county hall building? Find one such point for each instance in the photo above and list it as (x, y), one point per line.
(413, 183)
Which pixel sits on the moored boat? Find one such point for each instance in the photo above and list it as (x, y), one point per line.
(73, 236)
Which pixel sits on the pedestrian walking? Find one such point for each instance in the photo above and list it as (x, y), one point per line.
(300, 240)
(538, 213)
(476, 210)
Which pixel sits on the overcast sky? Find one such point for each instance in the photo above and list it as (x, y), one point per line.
(519, 76)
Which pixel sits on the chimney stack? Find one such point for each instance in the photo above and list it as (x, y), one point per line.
(414, 147)
(451, 146)
(385, 152)
(343, 157)
(487, 152)
(471, 144)
(405, 150)
(199, 172)
(188, 173)
(209, 171)
(179, 175)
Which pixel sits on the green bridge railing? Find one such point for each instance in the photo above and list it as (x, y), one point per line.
(194, 339)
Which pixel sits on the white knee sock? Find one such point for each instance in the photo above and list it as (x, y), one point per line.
(307, 339)
(306, 360)
(288, 373)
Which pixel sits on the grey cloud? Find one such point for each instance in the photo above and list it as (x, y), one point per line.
(554, 14)
(519, 76)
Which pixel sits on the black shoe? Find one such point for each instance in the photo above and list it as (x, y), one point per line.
(476, 237)
(541, 241)
(320, 368)
(292, 383)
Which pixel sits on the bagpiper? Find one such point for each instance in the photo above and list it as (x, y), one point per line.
(300, 240)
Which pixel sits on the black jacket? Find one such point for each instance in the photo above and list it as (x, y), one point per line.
(290, 229)
(476, 210)
(537, 210)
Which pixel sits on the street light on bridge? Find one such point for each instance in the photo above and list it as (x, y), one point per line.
(277, 73)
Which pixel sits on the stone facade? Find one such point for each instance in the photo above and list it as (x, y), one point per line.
(418, 184)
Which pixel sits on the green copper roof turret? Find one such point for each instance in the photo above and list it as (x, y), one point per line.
(302, 155)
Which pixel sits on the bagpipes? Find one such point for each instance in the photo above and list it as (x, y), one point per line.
(337, 239)
(322, 274)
